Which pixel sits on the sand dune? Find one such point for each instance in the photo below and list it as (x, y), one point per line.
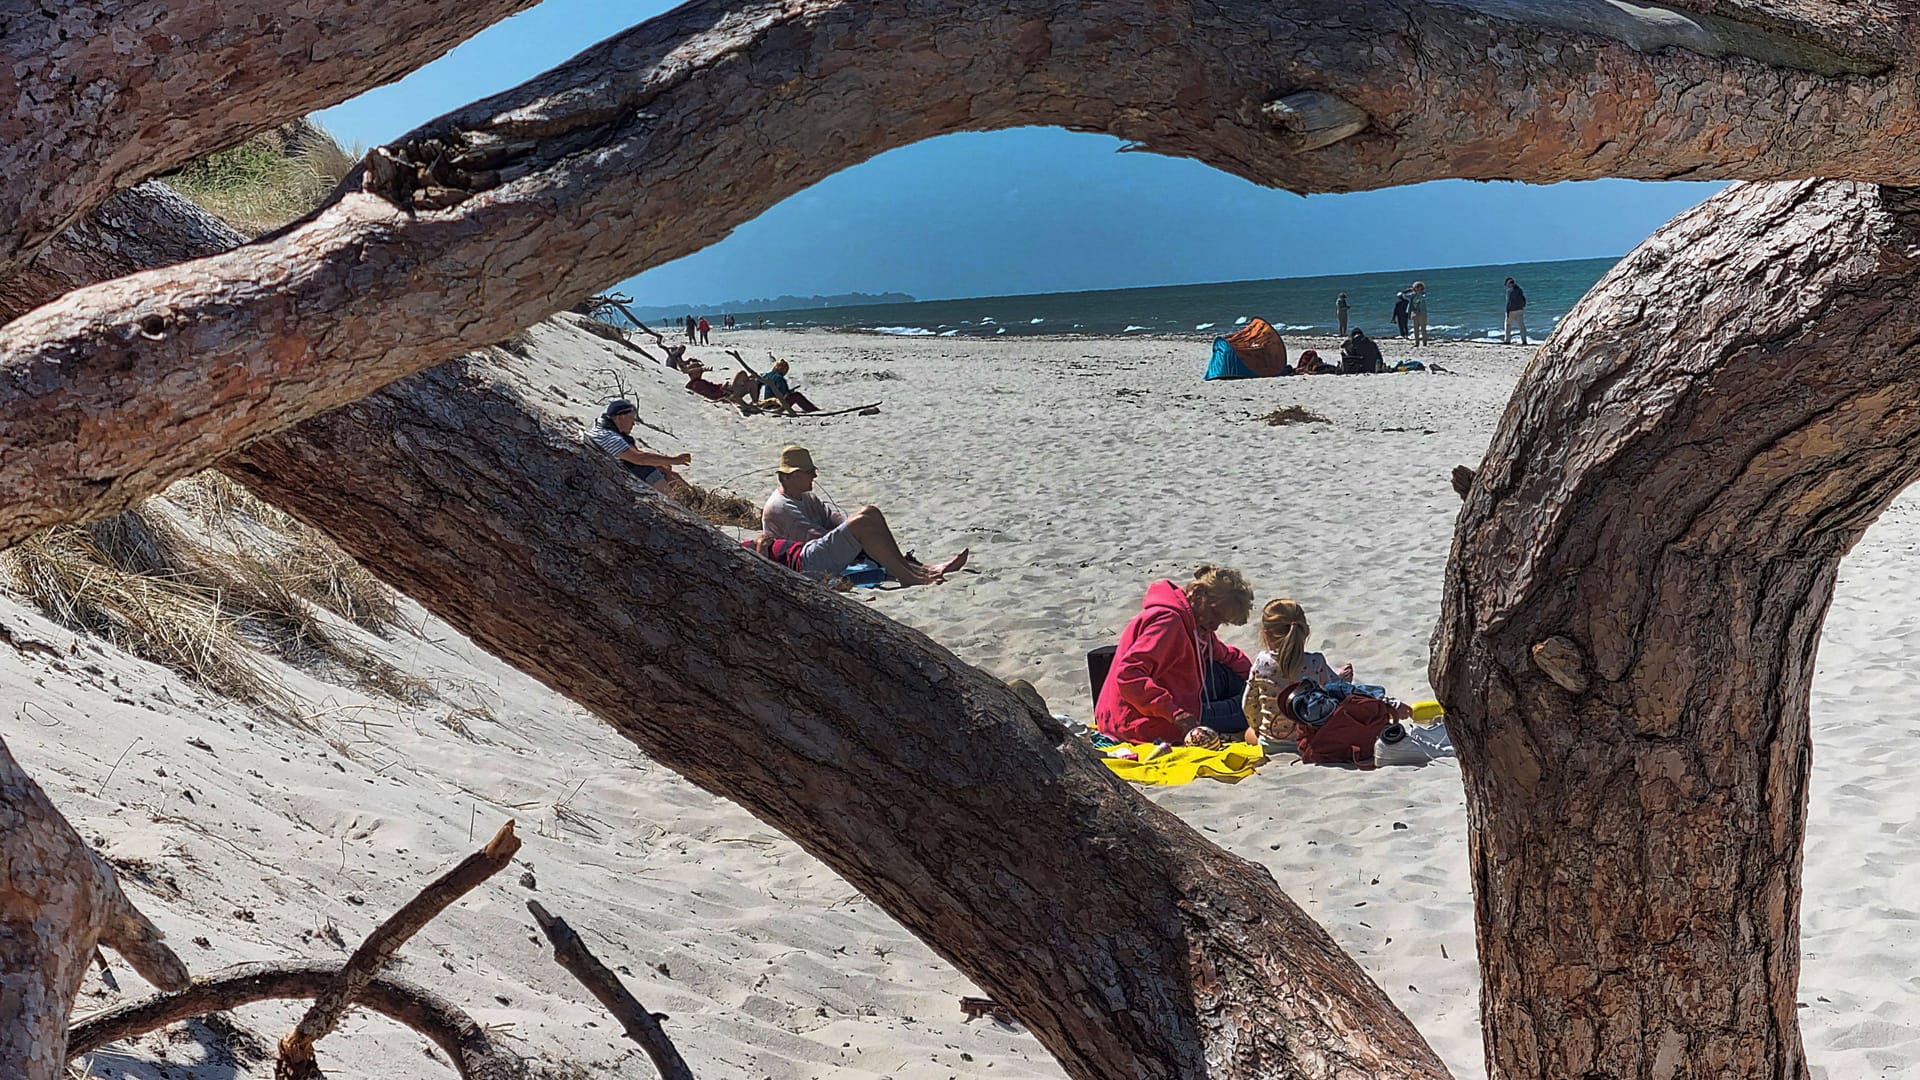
(1077, 470)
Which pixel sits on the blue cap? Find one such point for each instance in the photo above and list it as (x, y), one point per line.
(619, 406)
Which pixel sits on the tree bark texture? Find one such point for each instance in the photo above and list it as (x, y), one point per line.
(1131, 946)
(110, 92)
(1632, 609)
(471, 1048)
(140, 228)
(58, 900)
(503, 212)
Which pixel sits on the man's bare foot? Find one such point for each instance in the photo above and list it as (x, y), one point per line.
(952, 564)
(915, 574)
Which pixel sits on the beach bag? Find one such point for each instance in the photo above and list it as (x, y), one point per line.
(1099, 662)
(1334, 731)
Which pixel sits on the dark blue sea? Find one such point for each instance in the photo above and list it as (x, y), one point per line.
(1463, 302)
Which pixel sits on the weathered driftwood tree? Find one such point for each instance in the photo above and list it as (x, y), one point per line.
(1635, 597)
(520, 205)
(714, 111)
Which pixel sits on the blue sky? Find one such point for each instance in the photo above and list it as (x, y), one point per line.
(1038, 209)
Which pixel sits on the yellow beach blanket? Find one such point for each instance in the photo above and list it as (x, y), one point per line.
(1185, 764)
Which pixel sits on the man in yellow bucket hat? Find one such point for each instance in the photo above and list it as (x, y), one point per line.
(831, 539)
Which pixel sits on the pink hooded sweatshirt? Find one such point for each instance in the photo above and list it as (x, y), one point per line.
(1157, 671)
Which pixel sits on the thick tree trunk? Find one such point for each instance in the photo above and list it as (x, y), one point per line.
(58, 900)
(1280, 1015)
(1130, 945)
(519, 205)
(110, 92)
(1632, 609)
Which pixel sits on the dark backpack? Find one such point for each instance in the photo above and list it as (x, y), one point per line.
(1347, 732)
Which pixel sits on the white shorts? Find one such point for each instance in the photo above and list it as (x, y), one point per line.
(829, 554)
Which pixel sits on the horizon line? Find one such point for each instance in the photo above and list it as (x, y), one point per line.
(696, 309)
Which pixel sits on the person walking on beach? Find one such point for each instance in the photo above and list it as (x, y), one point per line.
(613, 433)
(1402, 302)
(1417, 308)
(1516, 314)
(832, 539)
(691, 340)
(703, 327)
(1340, 309)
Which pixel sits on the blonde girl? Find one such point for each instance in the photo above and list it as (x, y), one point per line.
(1284, 660)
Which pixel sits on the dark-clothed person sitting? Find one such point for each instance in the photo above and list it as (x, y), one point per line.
(1360, 355)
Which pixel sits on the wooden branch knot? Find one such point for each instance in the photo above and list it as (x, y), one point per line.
(1563, 662)
(1316, 119)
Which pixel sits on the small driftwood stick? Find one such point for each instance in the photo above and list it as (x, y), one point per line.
(641, 1026)
(473, 1053)
(296, 1049)
(977, 1007)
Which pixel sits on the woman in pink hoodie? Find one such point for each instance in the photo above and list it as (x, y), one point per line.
(1173, 680)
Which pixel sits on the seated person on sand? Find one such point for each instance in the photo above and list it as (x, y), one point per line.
(1284, 661)
(1360, 355)
(741, 390)
(776, 389)
(1173, 680)
(612, 433)
(832, 539)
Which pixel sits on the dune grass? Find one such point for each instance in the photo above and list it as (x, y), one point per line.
(268, 180)
(211, 602)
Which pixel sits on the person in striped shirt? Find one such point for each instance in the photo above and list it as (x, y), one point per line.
(613, 434)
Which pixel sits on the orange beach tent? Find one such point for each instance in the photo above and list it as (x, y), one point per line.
(1254, 351)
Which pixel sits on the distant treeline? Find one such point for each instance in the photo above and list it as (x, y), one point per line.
(773, 303)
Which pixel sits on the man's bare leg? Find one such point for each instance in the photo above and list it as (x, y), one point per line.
(870, 527)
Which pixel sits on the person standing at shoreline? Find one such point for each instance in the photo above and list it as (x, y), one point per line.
(1340, 309)
(1516, 314)
(1417, 309)
(1402, 301)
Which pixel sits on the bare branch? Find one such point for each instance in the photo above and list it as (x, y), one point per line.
(640, 1025)
(472, 1050)
(296, 1048)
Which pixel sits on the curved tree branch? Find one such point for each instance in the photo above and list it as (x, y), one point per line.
(510, 209)
(473, 1052)
(110, 92)
(1129, 944)
(1632, 609)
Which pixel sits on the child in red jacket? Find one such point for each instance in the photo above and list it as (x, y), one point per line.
(1173, 680)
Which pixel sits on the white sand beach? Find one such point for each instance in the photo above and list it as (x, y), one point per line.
(1077, 470)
